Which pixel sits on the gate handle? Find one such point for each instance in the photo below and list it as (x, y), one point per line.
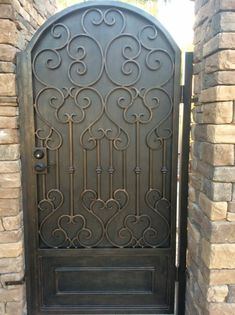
(40, 167)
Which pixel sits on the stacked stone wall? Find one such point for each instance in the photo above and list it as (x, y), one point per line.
(19, 19)
(211, 221)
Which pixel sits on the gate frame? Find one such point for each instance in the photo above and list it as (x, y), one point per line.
(26, 117)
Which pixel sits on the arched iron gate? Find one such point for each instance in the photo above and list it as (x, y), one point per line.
(100, 91)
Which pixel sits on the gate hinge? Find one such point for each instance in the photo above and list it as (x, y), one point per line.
(181, 93)
(15, 282)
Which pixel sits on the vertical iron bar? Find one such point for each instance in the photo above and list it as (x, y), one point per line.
(98, 170)
(57, 170)
(137, 169)
(163, 170)
(71, 167)
(150, 168)
(183, 212)
(124, 169)
(110, 169)
(84, 169)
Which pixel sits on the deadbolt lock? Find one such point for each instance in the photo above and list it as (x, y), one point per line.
(39, 154)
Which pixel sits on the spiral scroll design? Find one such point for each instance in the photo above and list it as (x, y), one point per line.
(103, 103)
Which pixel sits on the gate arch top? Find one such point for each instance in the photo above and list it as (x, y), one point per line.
(64, 14)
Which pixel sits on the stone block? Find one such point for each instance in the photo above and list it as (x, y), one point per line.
(218, 78)
(2, 309)
(15, 308)
(7, 84)
(6, 11)
(11, 250)
(217, 294)
(231, 295)
(220, 277)
(218, 256)
(220, 309)
(13, 295)
(217, 191)
(11, 277)
(217, 154)
(9, 111)
(197, 68)
(9, 152)
(7, 67)
(7, 52)
(217, 113)
(9, 193)
(223, 22)
(214, 210)
(8, 32)
(214, 133)
(217, 93)
(224, 174)
(12, 180)
(9, 207)
(203, 168)
(8, 100)
(9, 166)
(203, 14)
(220, 41)
(9, 265)
(230, 216)
(222, 60)
(224, 5)
(8, 122)
(9, 136)
(191, 194)
(12, 223)
(196, 216)
(10, 237)
(221, 232)
(231, 206)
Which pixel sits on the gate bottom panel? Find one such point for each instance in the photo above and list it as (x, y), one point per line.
(105, 284)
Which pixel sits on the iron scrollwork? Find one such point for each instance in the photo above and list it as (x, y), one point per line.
(74, 112)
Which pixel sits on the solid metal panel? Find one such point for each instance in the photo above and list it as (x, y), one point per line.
(120, 282)
(102, 83)
(103, 280)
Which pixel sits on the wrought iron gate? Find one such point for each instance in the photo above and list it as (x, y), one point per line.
(99, 93)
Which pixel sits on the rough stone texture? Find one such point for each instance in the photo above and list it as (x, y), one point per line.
(214, 133)
(220, 309)
(222, 60)
(220, 41)
(231, 295)
(214, 210)
(217, 294)
(217, 154)
(218, 256)
(214, 113)
(218, 93)
(220, 277)
(19, 20)
(211, 208)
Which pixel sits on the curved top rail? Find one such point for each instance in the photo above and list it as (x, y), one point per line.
(86, 5)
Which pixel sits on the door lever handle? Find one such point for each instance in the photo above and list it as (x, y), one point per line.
(40, 167)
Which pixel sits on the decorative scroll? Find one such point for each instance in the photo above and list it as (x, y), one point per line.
(107, 130)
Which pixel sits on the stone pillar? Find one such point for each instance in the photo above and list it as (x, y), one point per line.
(18, 21)
(211, 222)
